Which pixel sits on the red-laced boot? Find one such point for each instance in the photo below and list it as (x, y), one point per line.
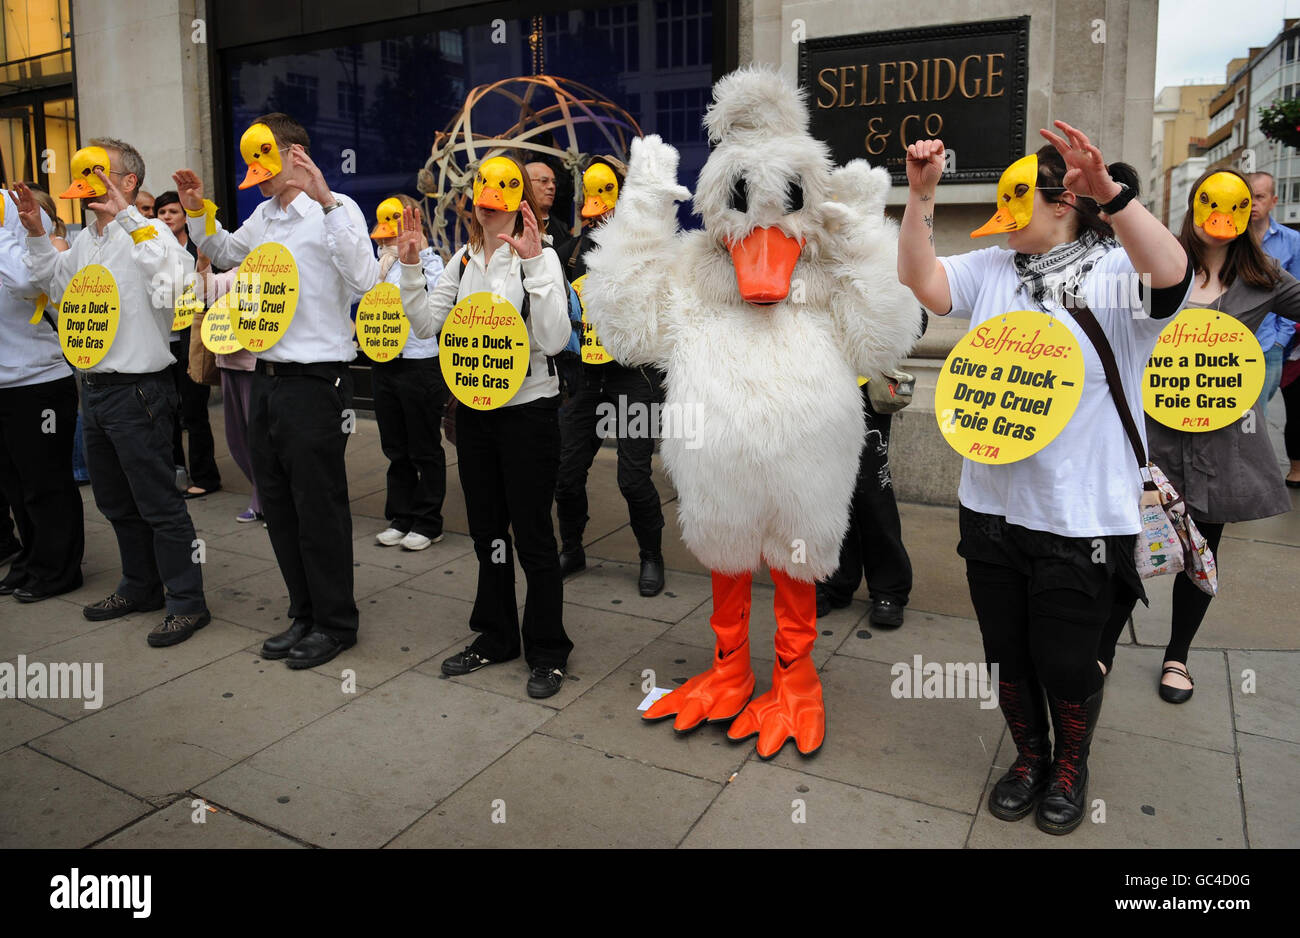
(1061, 808)
(721, 692)
(1015, 792)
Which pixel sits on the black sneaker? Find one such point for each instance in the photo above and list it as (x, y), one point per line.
(544, 682)
(466, 662)
(116, 606)
(886, 614)
(175, 629)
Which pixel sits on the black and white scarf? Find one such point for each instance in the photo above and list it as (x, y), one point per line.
(1061, 271)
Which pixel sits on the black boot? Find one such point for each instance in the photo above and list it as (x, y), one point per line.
(1061, 808)
(651, 581)
(1015, 792)
(572, 559)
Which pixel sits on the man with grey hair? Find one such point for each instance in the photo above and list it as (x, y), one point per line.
(1283, 244)
(128, 397)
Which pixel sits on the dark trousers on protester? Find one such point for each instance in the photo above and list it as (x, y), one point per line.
(873, 546)
(507, 459)
(301, 418)
(1291, 395)
(127, 429)
(37, 426)
(192, 417)
(1043, 600)
(410, 396)
(579, 442)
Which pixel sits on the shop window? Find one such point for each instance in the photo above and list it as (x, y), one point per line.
(683, 33)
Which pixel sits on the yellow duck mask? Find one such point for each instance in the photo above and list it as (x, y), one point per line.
(1221, 206)
(85, 183)
(389, 216)
(498, 184)
(600, 190)
(1015, 198)
(262, 154)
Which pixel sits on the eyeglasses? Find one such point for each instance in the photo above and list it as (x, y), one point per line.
(545, 183)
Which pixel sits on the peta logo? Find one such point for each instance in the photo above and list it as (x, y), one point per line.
(102, 892)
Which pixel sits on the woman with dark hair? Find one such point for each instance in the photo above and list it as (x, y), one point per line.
(1229, 474)
(508, 456)
(1030, 529)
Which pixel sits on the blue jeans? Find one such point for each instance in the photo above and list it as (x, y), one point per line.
(1272, 377)
(79, 470)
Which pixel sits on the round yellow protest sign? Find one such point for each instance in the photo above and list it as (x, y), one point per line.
(1009, 387)
(186, 306)
(1206, 371)
(218, 332)
(483, 351)
(382, 326)
(593, 353)
(265, 296)
(88, 316)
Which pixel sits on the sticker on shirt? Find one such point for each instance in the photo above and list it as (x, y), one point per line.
(186, 306)
(1206, 371)
(266, 295)
(218, 332)
(382, 326)
(483, 351)
(88, 316)
(593, 353)
(1009, 387)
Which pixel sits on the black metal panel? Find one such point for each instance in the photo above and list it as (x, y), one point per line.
(320, 15)
(241, 22)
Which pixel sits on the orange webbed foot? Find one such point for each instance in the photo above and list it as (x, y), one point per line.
(717, 695)
(792, 709)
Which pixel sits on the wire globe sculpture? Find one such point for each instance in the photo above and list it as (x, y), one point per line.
(532, 117)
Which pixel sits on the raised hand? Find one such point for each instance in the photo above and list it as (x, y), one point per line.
(112, 201)
(29, 211)
(925, 159)
(652, 165)
(312, 181)
(190, 188)
(1085, 170)
(528, 244)
(410, 237)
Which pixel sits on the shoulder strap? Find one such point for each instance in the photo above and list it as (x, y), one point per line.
(576, 252)
(1092, 329)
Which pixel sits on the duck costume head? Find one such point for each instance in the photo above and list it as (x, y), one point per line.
(86, 183)
(1221, 206)
(1015, 206)
(600, 184)
(261, 152)
(499, 185)
(389, 219)
(762, 321)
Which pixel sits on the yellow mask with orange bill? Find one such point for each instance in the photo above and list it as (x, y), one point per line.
(85, 181)
(599, 190)
(389, 217)
(1221, 206)
(499, 184)
(262, 154)
(1015, 198)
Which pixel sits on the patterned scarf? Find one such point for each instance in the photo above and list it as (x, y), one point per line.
(1061, 271)
(387, 258)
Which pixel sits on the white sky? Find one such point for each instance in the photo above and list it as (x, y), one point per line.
(1198, 37)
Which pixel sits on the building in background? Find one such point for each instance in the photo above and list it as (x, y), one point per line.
(1179, 125)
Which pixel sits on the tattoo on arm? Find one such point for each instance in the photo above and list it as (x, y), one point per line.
(929, 223)
(925, 198)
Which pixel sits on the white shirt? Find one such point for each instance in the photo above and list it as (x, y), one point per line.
(432, 265)
(1085, 483)
(29, 353)
(336, 265)
(548, 305)
(148, 276)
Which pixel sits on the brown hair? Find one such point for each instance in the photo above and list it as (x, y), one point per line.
(46, 201)
(1051, 175)
(287, 131)
(1244, 259)
(476, 230)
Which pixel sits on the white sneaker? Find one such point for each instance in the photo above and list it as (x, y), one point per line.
(390, 537)
(414, 541)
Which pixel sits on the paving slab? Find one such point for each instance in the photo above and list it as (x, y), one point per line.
(413, 562)
(930, 535)
(1132, 703)
(1265, 700)
(606, 717)
(933, 636)
(774, 807)
(361, 775)
(224, 567)
(1156, 794)
(47, 805)
(174, 828)
(934, 751)
(1269, 772)
(602, 641)
(611, 586)
(25, 628)
(620, 544)
(172, 737)
(214, 515)
(250, 539)
(551, 794)
(20, 721)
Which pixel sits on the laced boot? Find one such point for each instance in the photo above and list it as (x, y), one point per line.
(1015, 792)
(1060, 810)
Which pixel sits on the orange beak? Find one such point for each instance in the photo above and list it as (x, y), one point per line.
(257, 174)
(593, 207)
(383, 230)
(1220, 225)
(764, 261)
(78, 190)
(491, 197)
(1000, 223)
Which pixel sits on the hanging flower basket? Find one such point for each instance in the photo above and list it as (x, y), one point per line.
(1280, 121)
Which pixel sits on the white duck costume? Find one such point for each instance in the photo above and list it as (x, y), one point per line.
(762, 322)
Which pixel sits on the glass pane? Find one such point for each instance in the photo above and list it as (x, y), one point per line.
(16, 144)
(61, 141)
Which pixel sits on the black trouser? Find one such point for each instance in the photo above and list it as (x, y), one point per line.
(193, 418)
(1043, 600)
(37, 426)
(873, 546)
(623, 391)
(127, 429)
(410, 396)
(507, 460)
(299, 423)
(1291, 395)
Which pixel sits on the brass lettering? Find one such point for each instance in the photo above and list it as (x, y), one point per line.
(885, 79)
(961, 78)
(952, 78)
(902, 129)
(994, 73)
(846, 85)
(821, 80)
(866, 80)
(906, 77)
